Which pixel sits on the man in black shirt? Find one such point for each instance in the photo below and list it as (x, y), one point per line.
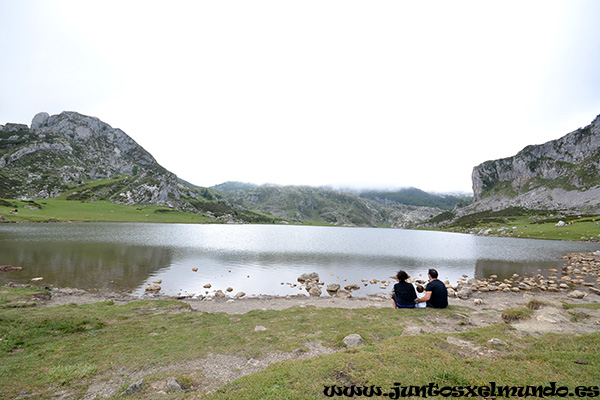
(436, 294)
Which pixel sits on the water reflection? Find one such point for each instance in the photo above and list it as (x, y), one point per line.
(256, 259)
(505, 269)
(118, 267)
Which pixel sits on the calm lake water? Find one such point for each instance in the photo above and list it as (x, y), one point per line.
(256, 259)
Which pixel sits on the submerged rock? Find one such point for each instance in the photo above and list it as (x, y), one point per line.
(314, 290)
(310, 277)
(8, 268)
(153, 287)
(333, 288)
(344, 294)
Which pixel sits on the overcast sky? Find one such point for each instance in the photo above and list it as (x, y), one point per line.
(343, 93)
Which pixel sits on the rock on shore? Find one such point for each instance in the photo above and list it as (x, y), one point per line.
(579, 276)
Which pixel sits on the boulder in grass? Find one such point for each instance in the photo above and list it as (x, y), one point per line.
(134, 387)
(353, 340)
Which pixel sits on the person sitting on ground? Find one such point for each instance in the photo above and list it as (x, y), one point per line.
(421, 294)
(404, 293)
(436, 294)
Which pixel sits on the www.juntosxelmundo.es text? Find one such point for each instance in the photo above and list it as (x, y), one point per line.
(397, 391)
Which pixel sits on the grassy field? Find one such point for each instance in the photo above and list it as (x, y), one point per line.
(523, 227)
(61, 210)
(510, 223)
(65, 349)
(528, 224)
(74, 204)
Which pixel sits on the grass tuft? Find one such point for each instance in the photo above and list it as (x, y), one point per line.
(62, 375)
(591, 306)
(535, 304)
(516, 314)
(22, 297)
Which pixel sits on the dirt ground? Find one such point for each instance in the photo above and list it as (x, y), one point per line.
(484, 308)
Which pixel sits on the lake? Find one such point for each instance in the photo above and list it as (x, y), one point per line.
(257, 259)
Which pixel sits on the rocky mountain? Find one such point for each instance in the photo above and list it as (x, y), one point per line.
(67, 149)
(562, 174)
(322, 205)
(84, 159)
(417, 197)
(60, 153)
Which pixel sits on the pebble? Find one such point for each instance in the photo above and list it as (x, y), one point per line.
(134, 387)
(497, 342)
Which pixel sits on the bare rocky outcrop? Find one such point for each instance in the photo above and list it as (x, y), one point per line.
(69, 148)
(560, 174)
(40, 120)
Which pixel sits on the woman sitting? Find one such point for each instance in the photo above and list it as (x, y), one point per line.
(404, 293)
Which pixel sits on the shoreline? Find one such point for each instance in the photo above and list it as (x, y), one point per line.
(552, 312)
(478, 231)
(578, 279)
(578, 282)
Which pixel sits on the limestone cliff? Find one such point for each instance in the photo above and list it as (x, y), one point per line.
(62, 151)
(560, 174)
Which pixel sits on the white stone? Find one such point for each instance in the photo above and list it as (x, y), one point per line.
(353, 340)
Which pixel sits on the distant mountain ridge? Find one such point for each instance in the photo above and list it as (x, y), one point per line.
(84, 159)
(416, 197)
(338, 207)
(559, 174)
